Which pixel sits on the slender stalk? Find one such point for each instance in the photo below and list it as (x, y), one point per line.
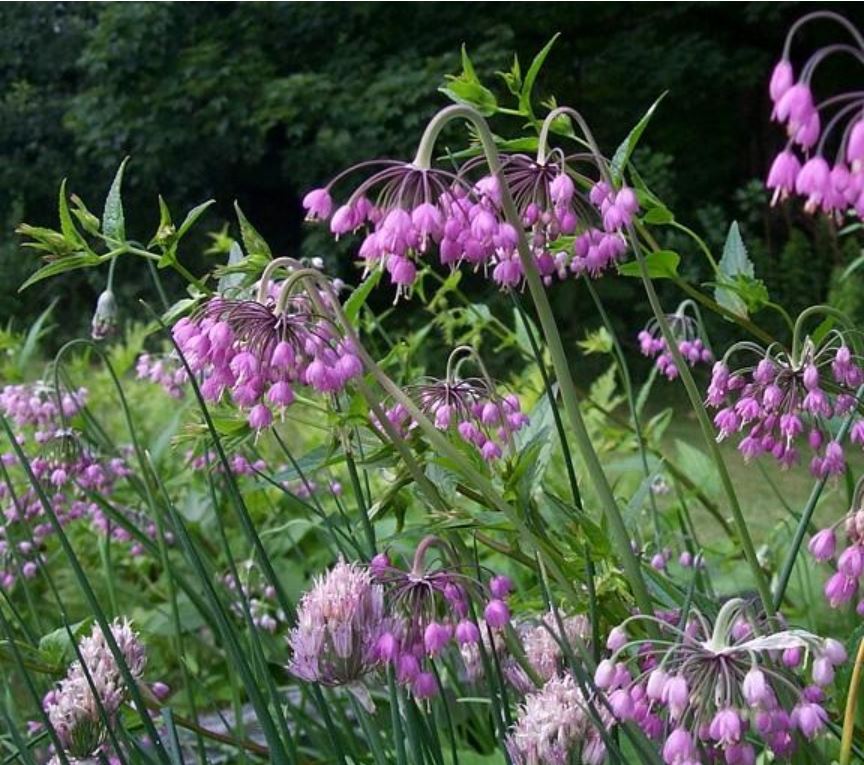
(617, 527)
(851, 707)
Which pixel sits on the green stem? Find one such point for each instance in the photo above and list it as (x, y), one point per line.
(617, 527)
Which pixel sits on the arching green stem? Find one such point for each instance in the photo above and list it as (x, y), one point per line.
(618, 529)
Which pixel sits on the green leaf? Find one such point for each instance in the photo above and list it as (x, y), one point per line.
(232, 278)
(67, 225)
(622, 154)
(658, 216)
(252, 240)
(598, 341)
(853, 267)
(192, 216)
(662, 264)
(113, 222)
(69, 263)
(358, 298)
(56, 648)
(734, 264)
(37, 331)
(467, 89)
(531, 76)
(513, 78)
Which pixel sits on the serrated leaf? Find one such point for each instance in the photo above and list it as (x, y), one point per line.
(69, 263)
(598, 341)
(252, 240)
(531, 76)
(734, 263)
(467, 88)
(358, 298)
(113, 221)
(56, 647)
(662, 264)
(622, 154)
(513, 78)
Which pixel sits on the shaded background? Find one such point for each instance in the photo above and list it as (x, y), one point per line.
(258, 102)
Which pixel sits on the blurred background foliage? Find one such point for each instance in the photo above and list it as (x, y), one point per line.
(259, 101)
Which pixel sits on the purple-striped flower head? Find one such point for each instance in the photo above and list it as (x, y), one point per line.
(407, 210)
(554, 726)
(93, 687)
(831, 182)
(436, 604)
(472, 408)
(715, 689)
(689, 337)
(785, 402)
(252, 590)
(260, 351)
(340, 622)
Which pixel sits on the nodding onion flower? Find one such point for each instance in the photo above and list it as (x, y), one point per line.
(707, 691)
(433, 605)
(406, 209)
(259, 350)
(787, 398)
(689, 337)
(470, 406)
(843, 584)
(834, 186)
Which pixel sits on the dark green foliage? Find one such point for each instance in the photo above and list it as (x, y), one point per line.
(256, 102)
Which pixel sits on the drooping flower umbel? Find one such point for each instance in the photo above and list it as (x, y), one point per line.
(76, 713)
(407, 210)
(708, 692)
(554, 727)
(470, 406)
(254, 592)
(829, 132)
(788, 398)
(340, 621)
(259, 350)
(432, 605)
(843, 585)
(687, 331)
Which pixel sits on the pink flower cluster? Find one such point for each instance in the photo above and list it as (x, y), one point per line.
(164, 370)
(844, 583)
(471, 407)
(686, 333)
(417, 210)
(431, 610)
(253, 591)
(784, 401)
(74, 709)
(258, 353)
(835, 187)
(706, 692)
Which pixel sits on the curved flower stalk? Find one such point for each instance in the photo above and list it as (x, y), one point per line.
(340, 623)
(470, 406)
(554, 725)
(786, 398)
(432, 607)
(707, 692)
(831, 182)
(259, 350)
(407, 210)
(689, 337)
(93, 690)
